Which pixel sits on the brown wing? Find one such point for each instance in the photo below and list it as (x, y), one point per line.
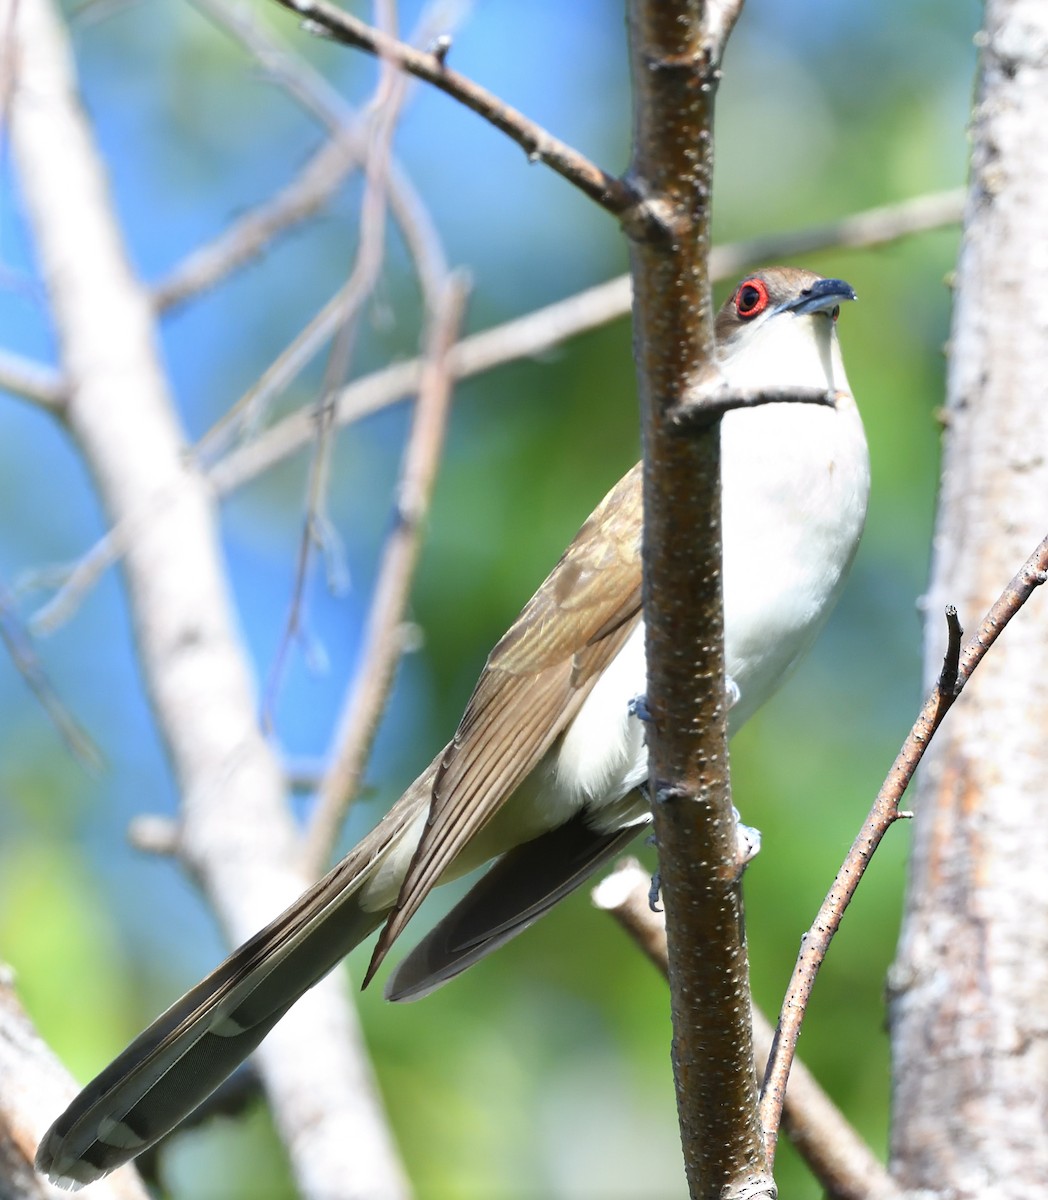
(533, 684)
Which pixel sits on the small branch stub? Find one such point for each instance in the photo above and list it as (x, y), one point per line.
(705, 406)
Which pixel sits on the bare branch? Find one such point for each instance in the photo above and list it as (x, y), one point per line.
(120, 414)
(530, 335)
(952, 659)
(289, 71)
(78, 580)
(307, 194)
(872, 227)
(33, 1087)
(250, 236)
(882, 815)
(540, 146)
(383, 643)
(545, 328)
(40, 385)
(838, 1157)
(27, 663)
(371, 247)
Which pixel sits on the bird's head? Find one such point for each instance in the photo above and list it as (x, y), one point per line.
(778, 329)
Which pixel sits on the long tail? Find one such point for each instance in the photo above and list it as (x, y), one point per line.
(206, 1034)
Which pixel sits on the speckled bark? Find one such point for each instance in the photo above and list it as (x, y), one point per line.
(969, 1007)
(675, 52)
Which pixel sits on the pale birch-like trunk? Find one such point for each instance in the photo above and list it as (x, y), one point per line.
(236, 835)
(969, 990)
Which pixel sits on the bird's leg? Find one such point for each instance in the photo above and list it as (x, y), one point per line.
(747, 843)
(747, 838)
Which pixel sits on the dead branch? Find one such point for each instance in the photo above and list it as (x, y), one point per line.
(607, 190)
(313, 187)
(883, 814)
(317, 530)
(120, 414)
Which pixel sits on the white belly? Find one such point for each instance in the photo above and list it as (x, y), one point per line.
(795, 484)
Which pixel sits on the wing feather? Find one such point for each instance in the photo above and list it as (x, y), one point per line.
(522, 885)
(533, 684)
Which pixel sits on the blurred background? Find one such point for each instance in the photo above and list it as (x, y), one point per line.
(545, 1071)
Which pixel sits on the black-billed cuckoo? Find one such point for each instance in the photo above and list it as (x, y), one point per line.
(546, 770)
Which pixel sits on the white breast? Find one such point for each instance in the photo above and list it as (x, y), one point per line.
(795, 482)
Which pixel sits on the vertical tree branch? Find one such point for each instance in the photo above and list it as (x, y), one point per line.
(675, 55)
(969, 989)
(237, 836)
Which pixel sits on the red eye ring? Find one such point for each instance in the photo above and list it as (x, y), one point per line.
(751, 298)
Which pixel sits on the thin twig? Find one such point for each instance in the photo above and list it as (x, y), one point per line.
(612, 193)
(833, 1149)
(383, 644)
(882, 815)
(78, 580)
(314, 186)
(952, 659)
(247, 412)
(317, 530)
(251, 235)
(27, 663)
(522, 337)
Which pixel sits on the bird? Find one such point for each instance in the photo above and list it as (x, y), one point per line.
(545, 775)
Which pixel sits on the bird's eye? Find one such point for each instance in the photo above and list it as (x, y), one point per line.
(836, 311)
(751, 299)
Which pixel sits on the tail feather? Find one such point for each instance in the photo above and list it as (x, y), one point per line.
(201, 1038)
(524, 884)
